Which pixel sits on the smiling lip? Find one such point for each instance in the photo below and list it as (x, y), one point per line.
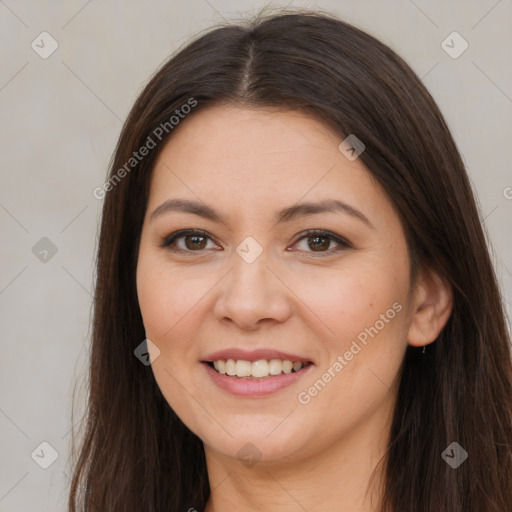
(249, 387)
(253, 355)
(254, 388)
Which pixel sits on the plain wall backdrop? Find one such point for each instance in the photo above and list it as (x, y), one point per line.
(61, 115)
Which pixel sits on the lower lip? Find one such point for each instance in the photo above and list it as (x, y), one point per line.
(254, 388)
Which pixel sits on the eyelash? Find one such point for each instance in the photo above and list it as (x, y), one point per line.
(342, 243)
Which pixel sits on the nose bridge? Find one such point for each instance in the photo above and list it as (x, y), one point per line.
(250, 261)
(250, 276)
(251, 292)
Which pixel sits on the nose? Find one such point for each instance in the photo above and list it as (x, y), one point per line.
(252, 294)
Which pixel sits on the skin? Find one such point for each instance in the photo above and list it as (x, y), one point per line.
(247, 164)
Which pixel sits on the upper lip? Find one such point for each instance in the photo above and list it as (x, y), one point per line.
(253, 355)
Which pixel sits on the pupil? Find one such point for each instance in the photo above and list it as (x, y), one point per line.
(325, 245)
(195, 238)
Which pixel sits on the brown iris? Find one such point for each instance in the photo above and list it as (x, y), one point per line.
(196, 244)
(316, 245)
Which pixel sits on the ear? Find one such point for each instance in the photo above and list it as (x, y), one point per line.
(432, 305)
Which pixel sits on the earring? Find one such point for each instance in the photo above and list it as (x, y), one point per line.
(423, 348)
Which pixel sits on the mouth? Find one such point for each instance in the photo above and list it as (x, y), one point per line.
(258, 370)
(255, 374)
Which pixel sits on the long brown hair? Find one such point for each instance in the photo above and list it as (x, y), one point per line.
(136, 454)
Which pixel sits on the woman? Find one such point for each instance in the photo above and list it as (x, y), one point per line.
(295, 306)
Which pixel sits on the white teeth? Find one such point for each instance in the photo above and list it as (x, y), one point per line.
(287, 366)
(221, 366)
(275, 367)
(260, 368)
(231, 367)
(256, 369)
(243, 368)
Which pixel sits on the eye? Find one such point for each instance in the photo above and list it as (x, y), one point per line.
(319, 241)
(195, 240)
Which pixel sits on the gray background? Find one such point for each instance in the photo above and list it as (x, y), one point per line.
(60, 119)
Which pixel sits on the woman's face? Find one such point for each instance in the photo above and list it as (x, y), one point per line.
(254, 293)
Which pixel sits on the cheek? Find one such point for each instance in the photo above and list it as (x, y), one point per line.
(363, 333)
(168, 306)
(367, 354)
(155, 298)
(167, 301)
(348, 301)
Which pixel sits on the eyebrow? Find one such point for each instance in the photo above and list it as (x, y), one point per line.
(285, 215)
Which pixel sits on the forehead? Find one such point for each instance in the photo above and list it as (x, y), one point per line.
(223, 134)
(241, 158)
